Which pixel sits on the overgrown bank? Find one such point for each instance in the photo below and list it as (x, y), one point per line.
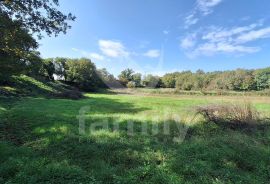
(22, 86)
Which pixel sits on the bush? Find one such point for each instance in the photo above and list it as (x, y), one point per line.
(131, 84)
(230, 115)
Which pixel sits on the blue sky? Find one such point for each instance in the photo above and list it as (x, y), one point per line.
(158, 36)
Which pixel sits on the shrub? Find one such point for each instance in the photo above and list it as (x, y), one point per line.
(230, 115)
(131, 84)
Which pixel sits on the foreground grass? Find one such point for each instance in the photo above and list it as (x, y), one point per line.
(41, 142)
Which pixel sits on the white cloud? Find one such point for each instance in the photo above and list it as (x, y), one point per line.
(90, 55)
(166, 32)
(202, 8)
(152, 53)
(190, 20)
(205, 6)
(213, 48)
(96, 56)
(222, 34)
(188, 41)
(112, 49)
(215, 40)
(75, 49)
(254, 35)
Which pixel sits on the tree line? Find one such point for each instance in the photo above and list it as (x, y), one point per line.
(83, 74)
(236, 80)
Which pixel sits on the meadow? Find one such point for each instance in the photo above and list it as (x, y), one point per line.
(41, 142)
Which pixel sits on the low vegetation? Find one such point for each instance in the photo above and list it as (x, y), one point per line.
(240, 115)
(175, 92)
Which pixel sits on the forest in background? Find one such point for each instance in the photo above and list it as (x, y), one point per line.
(83, 73)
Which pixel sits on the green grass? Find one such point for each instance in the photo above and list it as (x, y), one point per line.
(22, 86)
(40, 142)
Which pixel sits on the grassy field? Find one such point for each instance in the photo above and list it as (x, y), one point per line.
(41, 142)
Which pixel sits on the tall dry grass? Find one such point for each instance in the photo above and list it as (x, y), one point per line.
(230, 115)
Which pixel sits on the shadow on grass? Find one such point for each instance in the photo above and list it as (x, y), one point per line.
(52, 150)
(40, 113)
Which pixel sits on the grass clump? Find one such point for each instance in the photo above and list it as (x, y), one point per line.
(230, 115)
